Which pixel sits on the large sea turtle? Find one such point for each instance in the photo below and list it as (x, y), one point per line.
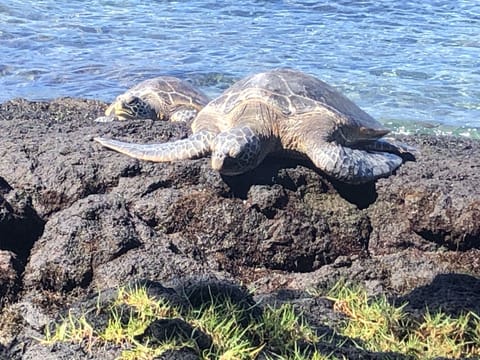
(161, 98)
(287, 111)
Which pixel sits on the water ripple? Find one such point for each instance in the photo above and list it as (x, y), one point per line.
(407, 61)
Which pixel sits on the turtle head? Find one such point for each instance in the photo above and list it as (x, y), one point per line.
(236, 151)
(369, 133)
(126, 107)
(353, 134)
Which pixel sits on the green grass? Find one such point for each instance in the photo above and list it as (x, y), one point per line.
(383, 327)
(279, 333)
(235, 334)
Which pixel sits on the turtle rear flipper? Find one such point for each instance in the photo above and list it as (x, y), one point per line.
(353, 165)
(197, 145)
(105, 118)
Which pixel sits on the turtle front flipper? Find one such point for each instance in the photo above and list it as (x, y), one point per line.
(353, 166)
(196, 146)
(405, 151)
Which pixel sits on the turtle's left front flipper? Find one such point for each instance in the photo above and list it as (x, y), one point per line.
(195, 146)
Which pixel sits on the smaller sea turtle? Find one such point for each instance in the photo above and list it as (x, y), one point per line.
(283, 111)
(162, 98)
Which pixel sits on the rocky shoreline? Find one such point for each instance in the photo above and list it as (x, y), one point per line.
(76, 219)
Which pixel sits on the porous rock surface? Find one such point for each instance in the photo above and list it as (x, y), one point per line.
(76, 219)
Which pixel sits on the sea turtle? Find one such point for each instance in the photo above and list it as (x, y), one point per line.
(161, 98)
(287, 111)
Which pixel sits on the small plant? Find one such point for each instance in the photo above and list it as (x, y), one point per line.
(443, 335)
(118, 332)
(121, 329)
(223, 322)
(144, 304)
(279, 333)
(72, 328)
(283, 329)
(384, 327)
(235, 334)
(376, 322)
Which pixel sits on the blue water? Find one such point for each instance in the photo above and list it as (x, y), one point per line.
(411, 64)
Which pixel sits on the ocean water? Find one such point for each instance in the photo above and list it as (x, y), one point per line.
(414, 65)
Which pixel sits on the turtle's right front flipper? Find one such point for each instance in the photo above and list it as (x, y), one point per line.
(353, 166)
(196, 146)
(406, 152)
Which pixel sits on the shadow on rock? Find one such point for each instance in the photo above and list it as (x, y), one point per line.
(20, 226)
(284, 172)
(452, 294)
(362, 195)
(272, 171)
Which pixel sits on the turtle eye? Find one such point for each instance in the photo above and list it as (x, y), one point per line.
(131, 101)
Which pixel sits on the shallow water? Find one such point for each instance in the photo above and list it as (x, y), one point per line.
(413, 65)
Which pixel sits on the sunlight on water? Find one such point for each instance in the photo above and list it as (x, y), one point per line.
(415, 62)
(414, 128)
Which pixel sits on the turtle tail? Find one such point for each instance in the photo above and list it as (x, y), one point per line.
(195, 146)
(354, 166)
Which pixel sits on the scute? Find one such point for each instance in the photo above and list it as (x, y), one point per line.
(283, 103)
